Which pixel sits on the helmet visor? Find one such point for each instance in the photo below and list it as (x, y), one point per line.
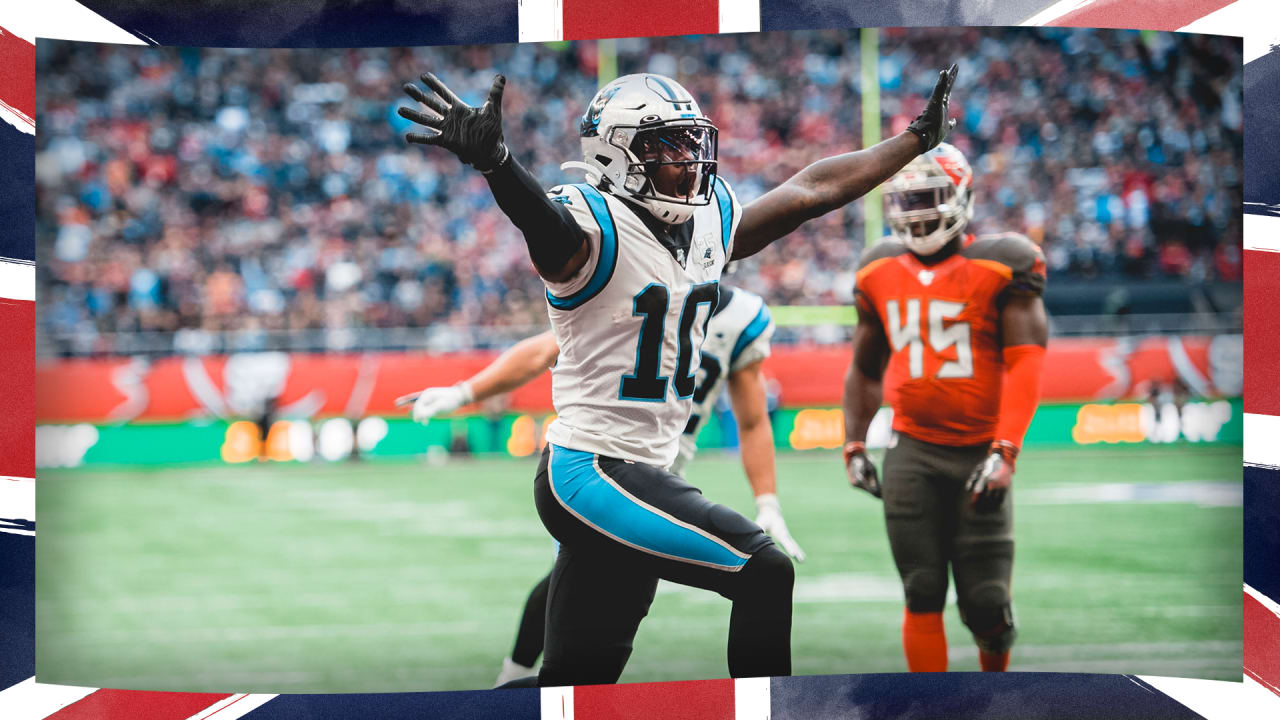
(678, 160)
(918, 211)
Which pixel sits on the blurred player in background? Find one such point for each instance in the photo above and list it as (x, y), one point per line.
(631, 260)
(733, 354)
(960, 325)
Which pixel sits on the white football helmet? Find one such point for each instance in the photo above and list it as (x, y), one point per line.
(644, 138)
(930, 201)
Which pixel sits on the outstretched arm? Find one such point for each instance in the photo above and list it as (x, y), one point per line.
(515, 367)
(556, 242)
(755, 433)
(836, 181)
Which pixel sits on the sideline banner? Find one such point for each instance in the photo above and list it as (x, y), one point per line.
(303, 385)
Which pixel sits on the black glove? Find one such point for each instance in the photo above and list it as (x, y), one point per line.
(474, 135)
(933, 125)
(861, 471)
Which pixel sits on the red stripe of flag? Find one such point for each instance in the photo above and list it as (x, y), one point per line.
(696, 700)
(586, 19)
(1148, 15)
(18, 73)
(1261, 643)
(137, 705)
(1262, 332)
(17, 379)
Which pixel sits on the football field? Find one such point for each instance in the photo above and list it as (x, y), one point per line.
(383, 577)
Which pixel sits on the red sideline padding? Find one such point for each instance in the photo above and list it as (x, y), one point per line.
(1261, 644)
(178, 388)
(17, 402)
(1262, 339)
(588, 19)
(1148, 14)
(697, 700)
(137, 705)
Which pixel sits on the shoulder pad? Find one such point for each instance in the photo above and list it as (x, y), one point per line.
(1016, 252)
(886, 248)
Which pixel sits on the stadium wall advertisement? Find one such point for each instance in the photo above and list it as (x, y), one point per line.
(521, 435)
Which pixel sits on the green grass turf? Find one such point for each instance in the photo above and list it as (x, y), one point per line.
(386, 577)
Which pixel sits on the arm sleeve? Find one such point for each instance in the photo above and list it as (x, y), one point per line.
(1020, 394)
(589, 212)
(551, 232)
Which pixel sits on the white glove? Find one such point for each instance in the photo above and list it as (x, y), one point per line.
(436, 400)
(769, 518)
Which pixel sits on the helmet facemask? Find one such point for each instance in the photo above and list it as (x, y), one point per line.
(671, 166)
(926, 209)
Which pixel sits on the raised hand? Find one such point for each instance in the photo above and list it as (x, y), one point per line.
(933, 125)
(473, 134)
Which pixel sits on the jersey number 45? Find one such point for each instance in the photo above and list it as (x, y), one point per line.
(942, 335)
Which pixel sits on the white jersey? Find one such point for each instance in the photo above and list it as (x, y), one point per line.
(630, 326)
(737, 336)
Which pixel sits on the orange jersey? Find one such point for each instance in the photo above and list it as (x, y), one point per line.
(942, 323)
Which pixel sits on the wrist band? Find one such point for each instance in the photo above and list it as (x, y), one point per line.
(853, 448)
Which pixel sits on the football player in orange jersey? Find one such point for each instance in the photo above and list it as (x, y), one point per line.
(951, 332)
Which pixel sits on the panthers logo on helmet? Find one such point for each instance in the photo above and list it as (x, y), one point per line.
(590, 126)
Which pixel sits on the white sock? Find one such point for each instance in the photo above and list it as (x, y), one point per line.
(512, 670)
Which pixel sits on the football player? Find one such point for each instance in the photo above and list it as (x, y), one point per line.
(733, 354)
(952, 332)
(631, 259)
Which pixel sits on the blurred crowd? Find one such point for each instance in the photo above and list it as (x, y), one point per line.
(194, 191)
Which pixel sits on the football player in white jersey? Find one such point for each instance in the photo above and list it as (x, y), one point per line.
(631, 259)
(733, 354)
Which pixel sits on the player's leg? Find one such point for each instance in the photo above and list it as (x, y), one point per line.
(690, 540)
(529, 635)
(655, 522)
(594, 608)
(917, 518)
(982, 563)
(596, 597)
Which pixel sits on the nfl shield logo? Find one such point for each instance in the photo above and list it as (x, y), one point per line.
(702, 250)
(926, 277)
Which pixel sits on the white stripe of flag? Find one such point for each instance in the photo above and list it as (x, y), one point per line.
(17, 281)
(1260, 433)
(233, 707)
(29, 700)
